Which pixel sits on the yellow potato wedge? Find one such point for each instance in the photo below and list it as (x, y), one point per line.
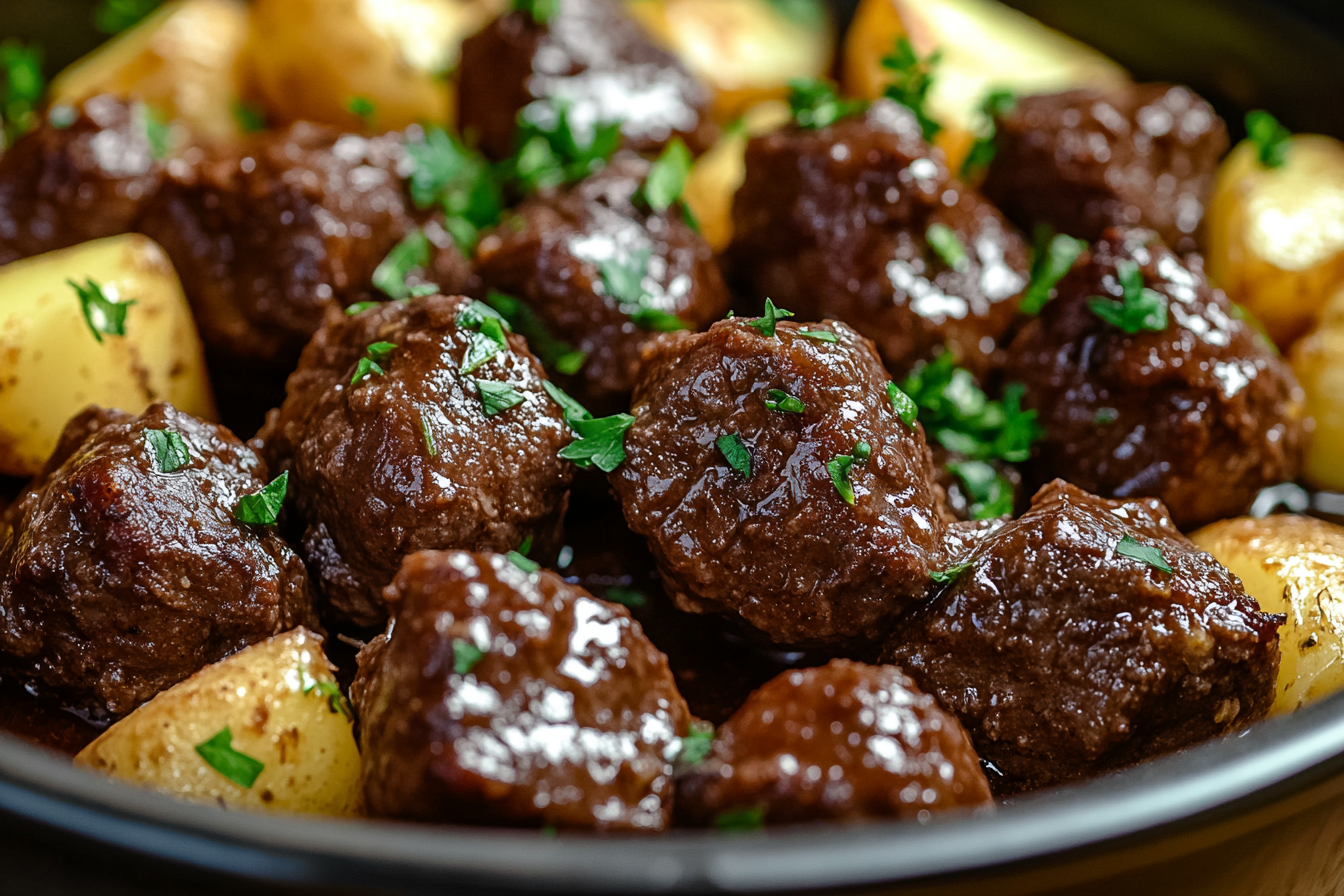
(309, 59)
(745, 50)
(51, 364)
(717, 175)
(184, 60)
(1276, 235)
(276, 703)
(1292, 565)
(1318, 361)
(986, 46)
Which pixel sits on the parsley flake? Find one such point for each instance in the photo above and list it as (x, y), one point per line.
(371, 364)
(989, 492)
(523, 562)
(1271, 139)
(952, 573)
(465, 656)
(496, 398)
(263, 508)
(219, 754)
(815, 104)
(555, 354)
(251, 119)
(574, 412)
(116, 16)
(626, 597)
(911, 81)
(1152, 556)
(695, 747)
(539, 11)
(360, 308)
(779, 400)
(550, 154)
(487, 343)
(623, 280)
(944, 241)
(819, 335)
(599, 442)
(329, 689)
(445, 174)
(734, 450)
(997, 104)
(751, 819)
(667, 177)
(765, 324)
(103, 315)
(841, 467)
(1054, 257)
(362, 108)
(427, 434)
(903, 405)
(408, 256)
(1142, 309)
(21, 88)
(158, 131)
(958, 415)
(170, 451)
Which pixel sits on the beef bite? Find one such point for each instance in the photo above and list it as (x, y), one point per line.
(776, 483)
(603, 274)
(414, 426)
(590, 58)
(1192, 406)
(1086, 636)
(1144, 155)
(861, 221)
(499, 696)
(268, 235)
(843, 742)
(81, 175)
(123, 568)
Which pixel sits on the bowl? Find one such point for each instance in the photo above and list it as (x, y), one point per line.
(1261, 812)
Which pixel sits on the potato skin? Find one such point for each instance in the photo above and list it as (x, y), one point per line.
(266, 697)
(1292, 565)
(1318, 362)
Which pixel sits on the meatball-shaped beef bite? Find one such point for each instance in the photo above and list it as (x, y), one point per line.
(1144, 155)
(861, 221)
(416, 426)
(268, 235)
(1089, 635)
(124, 569)
(1149, 382)
(590, 58)
(843, 742)
(500, 696)
(775, 481)
(69, 182)
(604, 275)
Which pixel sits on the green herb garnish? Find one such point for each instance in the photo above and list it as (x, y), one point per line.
(263, 508)
(815, 103)
(360, 308)
(959, 416)
(779, 400)
(841, 466)
(170, 451)
(376, 355)
(465, 656)
(446, 174)
(765, 324)
(734, 450)
(944, 240)
(496, 398)
(752, 819)
(1271, 139)
(599, 442)
(219, 754)
(329, 689)
(550, 154)
(409, 255)
(103, 316)
(1054, 258)
(1142, 309)
(251, 119)
(362, 108)
(427, 434)
(626, 597)
(819, 335)
(488, 342)
(997, 104)
(989, 492)
(667, 177)
(903, 405)
(523, 562)
(911, 80)
(116, 16)
(952, 573)
(695, 747)
(555, 354)
(158, 131)
(21, 88)
(1132, 549)
(540, 11)
(623, 280)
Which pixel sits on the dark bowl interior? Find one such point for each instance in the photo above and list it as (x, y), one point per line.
(1252, 814)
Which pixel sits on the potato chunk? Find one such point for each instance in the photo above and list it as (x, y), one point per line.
(986, 46)
(1318, 362)
(275, 703)
(1276, 235)
(717, 175)
(1292, 565)
(184, 60)
(51, 364)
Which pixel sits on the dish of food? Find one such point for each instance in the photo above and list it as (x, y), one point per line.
(645, 432)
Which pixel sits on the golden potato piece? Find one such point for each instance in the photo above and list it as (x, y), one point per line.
(745, 50)
(717, 175)
(184, 60)
(1318, 362)
(309, 59)
(1292, 565)
(986, 46)
(276, 703)
(1276, 235)
(52, 366)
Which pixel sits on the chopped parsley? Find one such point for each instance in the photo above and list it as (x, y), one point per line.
(959, 416)
(734, 450)
(944, 240)
(115, 16)
(251, 119)
(667, 178)
(158, 131)
(410, 255)
(989, 493)
(752, 819)
(695, 747)
(997, 104)
(523, 562)
(765, 324)
(842, 465)
(1142, 309)
(599, 442)
(819, 335)
(550, 154)
(427, 433)
(329, 689)
(1152, 556)
(375, 356)
(627, 597)
(103, 316)
(1270, 138)
(445, 174)
(170, 451)
(465, 656)
(623, 280)
(815, 104)
(952, 573)
(219, 754)
(911, 80)
(539, 11)
(903, 405)
(862, 451)
(496, 398)
(487, 342)
(555, 354)
(1105, 416)
(263, 508)
(21, 88)
(779, 400)
(362, 108)
(1054, 257)
(360, 308)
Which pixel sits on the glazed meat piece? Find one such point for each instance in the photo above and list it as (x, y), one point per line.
(1067, 649)
(1142, 156)
(504, 697)
(122, 573)
(593, 60)
(573, 257)
(419, 456)
(1202, 413)
(267, 236)
(814, 518)
(60, 186)
(843, 742)
(861, 221)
